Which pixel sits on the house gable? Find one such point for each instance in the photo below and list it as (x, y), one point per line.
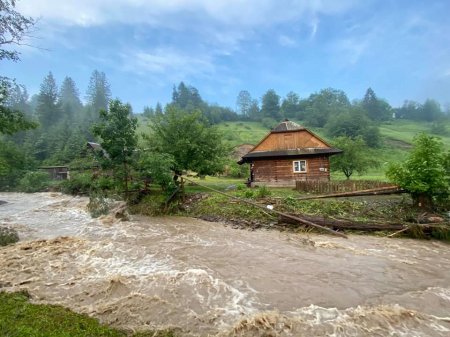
(290, 140)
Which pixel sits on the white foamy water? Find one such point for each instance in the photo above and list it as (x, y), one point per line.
(208, 279)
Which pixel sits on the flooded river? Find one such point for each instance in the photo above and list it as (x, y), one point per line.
(206, 279)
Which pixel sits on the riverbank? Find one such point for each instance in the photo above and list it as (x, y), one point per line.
(20, 318)
(368, 214)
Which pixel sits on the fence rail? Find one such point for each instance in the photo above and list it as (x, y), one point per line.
(324, 187)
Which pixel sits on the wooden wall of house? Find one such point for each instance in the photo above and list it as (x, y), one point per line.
(290, 141)
(281, 172)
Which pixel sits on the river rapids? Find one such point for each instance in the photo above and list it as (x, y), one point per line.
(207, 279)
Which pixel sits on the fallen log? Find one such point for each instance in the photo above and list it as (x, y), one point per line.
(346, 224)
(374, 191)
(342, 224)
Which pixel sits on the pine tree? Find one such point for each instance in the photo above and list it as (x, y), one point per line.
(98, 93)
(69, 99)
(48, 110)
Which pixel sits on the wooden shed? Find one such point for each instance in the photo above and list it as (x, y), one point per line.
(57, 172)
(289, 153)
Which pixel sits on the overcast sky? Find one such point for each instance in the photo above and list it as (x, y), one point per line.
(400, 48)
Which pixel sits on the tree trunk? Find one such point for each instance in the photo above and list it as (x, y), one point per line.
(422, 200)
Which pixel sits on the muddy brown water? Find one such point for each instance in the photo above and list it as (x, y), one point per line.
(207, 279)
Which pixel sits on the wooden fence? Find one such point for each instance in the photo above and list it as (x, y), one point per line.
(324, 187)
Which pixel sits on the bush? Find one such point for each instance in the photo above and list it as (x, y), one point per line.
(269, 122)
(34, 182)
(8, 236)
(79, 183)
(237, 171)
(263, 192)
(426, 172)
(98, 205)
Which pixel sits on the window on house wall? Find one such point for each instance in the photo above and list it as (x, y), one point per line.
(299, 166)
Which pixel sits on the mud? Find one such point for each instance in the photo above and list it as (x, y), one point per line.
(205, 279)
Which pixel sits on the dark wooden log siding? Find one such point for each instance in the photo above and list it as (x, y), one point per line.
(282, 171)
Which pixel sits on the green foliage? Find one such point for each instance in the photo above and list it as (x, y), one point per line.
(48, 109)
(117, 129)
(157, 167)
(353, 123)
(320, 106)
(429, 111)
(194, 144)
(11, 119)
(19, 318)
(243, 103)
(263, 192)
(79, 183)
(34, 182)
(219, 206)
(8, 236)
(269, 122)
(235, 170)
(98, 94)
(377, 110)
(13, 164)
(425, 174)
(99, 204)
(290, 106)
(254, 193)
(354, 158)
(270, 107)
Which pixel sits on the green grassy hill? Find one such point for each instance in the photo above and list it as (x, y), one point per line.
(397, 140)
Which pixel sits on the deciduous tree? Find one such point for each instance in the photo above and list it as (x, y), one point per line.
(14, 28)
(188, 137)
(425, 174)
(270, 107)
(354, 157)
(117, 132)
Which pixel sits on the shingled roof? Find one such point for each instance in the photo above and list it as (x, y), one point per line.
(287, 125)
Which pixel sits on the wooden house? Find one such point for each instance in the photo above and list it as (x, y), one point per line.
(56, 172)
(289, 153)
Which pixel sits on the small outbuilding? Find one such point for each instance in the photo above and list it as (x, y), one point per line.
(289, 153)
(56, 172)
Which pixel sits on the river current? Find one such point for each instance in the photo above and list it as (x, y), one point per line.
(207, 279)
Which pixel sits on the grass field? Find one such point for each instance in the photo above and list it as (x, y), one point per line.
(405, 130)
(397, 138)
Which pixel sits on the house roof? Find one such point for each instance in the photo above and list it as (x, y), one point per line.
(303, 152)
(287, 125)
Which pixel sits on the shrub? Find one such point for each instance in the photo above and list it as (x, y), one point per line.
(263, 192)
(8, 236)
(34, 182)
(79, 183)
(98, 205)
(237, 171)
(269, 122)
(426, 173)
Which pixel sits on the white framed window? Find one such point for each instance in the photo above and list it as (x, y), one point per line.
(299, 166)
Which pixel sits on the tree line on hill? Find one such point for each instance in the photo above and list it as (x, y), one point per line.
(64, 123)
